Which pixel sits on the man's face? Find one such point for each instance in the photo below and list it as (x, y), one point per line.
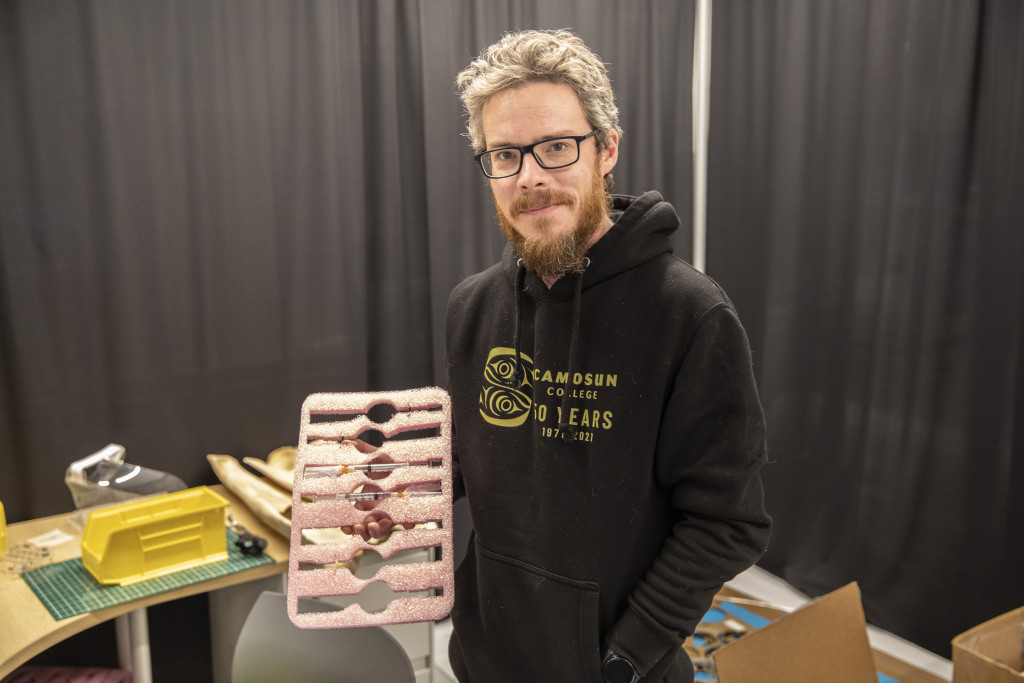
(552, 215)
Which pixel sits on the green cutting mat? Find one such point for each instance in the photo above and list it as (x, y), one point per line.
(68, 589)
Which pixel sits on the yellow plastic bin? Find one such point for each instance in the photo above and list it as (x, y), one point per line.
(154, 536)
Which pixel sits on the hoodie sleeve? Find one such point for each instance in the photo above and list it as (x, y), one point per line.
(709, 456)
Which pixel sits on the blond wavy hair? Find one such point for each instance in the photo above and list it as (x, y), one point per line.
(539, 56)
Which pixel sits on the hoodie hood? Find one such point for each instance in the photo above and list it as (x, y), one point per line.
(640, 231)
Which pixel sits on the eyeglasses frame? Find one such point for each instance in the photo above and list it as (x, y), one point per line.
(529, 149)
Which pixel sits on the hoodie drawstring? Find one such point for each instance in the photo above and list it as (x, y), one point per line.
(518, 378)
(568, 431)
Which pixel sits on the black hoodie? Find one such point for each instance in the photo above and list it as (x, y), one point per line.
(609, 438)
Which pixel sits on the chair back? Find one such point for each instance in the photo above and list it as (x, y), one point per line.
(272, 649)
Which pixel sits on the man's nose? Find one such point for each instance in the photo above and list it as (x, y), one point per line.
(531, 174)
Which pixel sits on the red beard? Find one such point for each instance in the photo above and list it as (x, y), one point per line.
(551, 257)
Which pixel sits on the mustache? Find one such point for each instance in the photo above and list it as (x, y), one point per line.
(539, 199)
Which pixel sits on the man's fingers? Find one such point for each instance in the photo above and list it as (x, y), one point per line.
(357, 530)
(375, 525)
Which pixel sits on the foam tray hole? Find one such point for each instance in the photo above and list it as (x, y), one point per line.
(373, 599)
(369, 564)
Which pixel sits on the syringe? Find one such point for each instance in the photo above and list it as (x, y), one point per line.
(317, 471)
(360, 496)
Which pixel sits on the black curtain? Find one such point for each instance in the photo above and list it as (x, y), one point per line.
(213, 209)
(867, 163)
(209, 210)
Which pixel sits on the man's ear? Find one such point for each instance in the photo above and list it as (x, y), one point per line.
(610, 153)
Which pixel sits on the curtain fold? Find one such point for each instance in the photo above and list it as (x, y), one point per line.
(861, 154)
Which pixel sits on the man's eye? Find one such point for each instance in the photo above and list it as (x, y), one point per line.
(558, 146)
(504, 155)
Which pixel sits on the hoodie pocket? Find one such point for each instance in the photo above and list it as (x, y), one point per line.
(517, 622)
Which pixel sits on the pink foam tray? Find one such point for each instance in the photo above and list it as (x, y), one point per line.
(408, 477)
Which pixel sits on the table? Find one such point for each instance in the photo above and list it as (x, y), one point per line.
(26, 627)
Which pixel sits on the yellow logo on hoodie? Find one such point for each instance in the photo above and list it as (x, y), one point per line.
(503, 402)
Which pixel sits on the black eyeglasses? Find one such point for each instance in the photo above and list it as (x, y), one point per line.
(553, 153)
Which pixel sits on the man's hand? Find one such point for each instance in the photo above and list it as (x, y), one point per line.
(376, 525)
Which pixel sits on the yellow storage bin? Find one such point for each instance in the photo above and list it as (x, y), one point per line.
(154, 536)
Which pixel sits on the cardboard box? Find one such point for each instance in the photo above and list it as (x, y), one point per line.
(991, 652)
(825, 640)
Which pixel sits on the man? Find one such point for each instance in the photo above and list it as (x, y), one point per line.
(608, 432)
